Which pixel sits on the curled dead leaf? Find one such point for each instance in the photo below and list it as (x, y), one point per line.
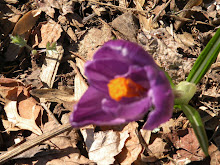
(21, 109)
(132, 147)
(26, 22)
(22, 123)
(104, 145)
(53, 95)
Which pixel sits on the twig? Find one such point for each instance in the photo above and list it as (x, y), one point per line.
(156, 17)
(114, 6)
(186, 14)
(77, 55)
(73, 65)
(49, 112)
(188, 20)
(32, 143)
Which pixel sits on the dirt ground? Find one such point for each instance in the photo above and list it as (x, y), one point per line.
(38, 90)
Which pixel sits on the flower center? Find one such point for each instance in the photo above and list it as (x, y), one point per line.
(124, 87)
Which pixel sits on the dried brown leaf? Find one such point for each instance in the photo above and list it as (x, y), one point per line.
(23, 123)
(93, 39)
(186, 39)
(158, 148)
(80, 87)
(127, 25)
(81, 65)
(188, 147)
(214, 154)
(21, 109)
(64, 6)
(132, 148)
(48, 32)
(26, 22)
(102, 146)
(53, 95)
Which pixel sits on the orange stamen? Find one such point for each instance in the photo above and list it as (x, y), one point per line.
(124, 87)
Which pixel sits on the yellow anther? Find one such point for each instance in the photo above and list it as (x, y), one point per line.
(124, 87)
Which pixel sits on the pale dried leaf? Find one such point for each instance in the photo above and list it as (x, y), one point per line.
(6, 84)
(13, 116)
(132, 148)
(186, 39)
(64, 6)
(50, 66)
(81, 65)
(53, 95)
(71, 34)
(93, 39)
(158, 148)
(146, 134)
(9, 126)
(80, 87)
(29, 108)
(49, 32)
(146, 23)
(214, 155)
(104, 145)
(127, 25)
(167, 126)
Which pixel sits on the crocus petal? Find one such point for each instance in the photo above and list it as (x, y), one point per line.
(89, 111)
(138, 75)
(130, 111)
(124, 51)
(135, 110)
(124, 59)
(162, 98)
(100, 72)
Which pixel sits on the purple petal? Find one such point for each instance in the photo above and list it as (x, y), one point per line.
(163, 98)
(138, 75)
(130, 112)
(89, 111)
(100, 72)
(124, 51)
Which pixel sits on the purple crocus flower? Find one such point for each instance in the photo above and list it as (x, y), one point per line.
(125, 85)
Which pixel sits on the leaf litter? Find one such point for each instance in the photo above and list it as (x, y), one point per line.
(172, 33)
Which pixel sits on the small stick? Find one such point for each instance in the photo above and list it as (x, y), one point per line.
(156, 17)
(34, 142)
(117, 7)
(49, 112)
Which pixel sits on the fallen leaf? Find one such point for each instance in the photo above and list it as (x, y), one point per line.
(8, 22)
(102, 146)
(132, 147)
(158, 148)
(186, 39)
(187, 145)
(53, 95)
(47, 32)
(127, 25)
(64, 6)
(93, 39)
(21, 109)
(81, 65)
(7, 84)
(13, 116)
(80, 87)
(214, 154)
(26, 22)
(145, 23)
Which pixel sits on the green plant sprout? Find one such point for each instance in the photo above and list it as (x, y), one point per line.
(187, 89)
(21, 42)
